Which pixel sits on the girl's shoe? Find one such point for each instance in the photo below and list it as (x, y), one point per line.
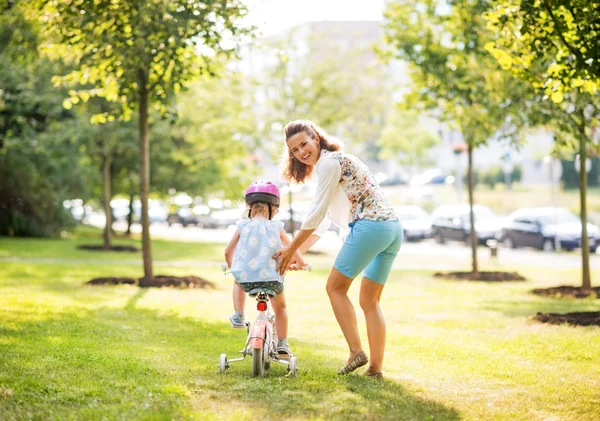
(283, 350)
(358, 361)
(237, 322)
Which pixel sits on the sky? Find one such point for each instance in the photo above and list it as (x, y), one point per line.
(273, 16)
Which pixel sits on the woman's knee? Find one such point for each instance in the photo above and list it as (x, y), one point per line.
(337, 283)
(368, 303)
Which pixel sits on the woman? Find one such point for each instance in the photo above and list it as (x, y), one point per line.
(347, 193)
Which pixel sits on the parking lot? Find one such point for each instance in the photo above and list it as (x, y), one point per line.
(426, 254)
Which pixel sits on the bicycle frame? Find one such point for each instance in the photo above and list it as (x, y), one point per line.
(261, 341)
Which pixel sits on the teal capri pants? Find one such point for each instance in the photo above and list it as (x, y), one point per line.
(371, 246)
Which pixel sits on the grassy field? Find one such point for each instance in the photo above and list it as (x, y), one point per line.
(456, 350)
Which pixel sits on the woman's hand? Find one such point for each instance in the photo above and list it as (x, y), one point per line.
(286, 257)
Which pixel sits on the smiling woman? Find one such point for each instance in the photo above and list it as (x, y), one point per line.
(347, 194)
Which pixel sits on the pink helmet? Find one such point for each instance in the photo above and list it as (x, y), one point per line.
(262, 191)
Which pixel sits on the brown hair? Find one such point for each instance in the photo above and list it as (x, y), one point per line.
(294, 169)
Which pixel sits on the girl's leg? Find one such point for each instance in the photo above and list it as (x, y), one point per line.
(337, 289)
(370, 294)
(239, 298)
(281, 315)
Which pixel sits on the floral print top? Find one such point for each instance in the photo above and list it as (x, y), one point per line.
(346, 192)
(362, 190)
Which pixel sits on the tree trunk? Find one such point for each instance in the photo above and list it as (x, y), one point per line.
(112, 190)
(585, 246)
(471, 213)
(144, 171)
(107, 208)
(130, 215)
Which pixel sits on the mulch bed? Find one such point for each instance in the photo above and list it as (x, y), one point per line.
(584, 318)
(159, 281)
(567, 292)
(97, 247)
(482, 276)
(112, 281)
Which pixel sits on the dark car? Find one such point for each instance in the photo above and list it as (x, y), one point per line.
(452, 222)
(543, 228)
(183, 216)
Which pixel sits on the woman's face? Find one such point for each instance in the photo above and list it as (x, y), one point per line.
(304, 148)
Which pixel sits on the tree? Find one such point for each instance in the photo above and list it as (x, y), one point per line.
(553, 47)
(38, 160)
(453, 74)
(108, 146)
(139, 53)
(404, 139)
(209, 151)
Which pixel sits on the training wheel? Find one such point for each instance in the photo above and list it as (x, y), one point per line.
(223, 365)
(293, 366)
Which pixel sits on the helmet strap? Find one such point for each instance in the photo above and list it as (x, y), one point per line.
(269, 211)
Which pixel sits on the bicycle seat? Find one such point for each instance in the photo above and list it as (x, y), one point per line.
(271, 288)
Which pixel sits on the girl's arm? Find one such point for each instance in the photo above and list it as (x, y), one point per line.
(230, 249)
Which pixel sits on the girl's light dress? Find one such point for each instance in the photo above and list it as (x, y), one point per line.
(253, 265)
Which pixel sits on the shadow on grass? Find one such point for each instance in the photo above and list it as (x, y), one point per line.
(531, 305)
(136, 363)
(319, 393)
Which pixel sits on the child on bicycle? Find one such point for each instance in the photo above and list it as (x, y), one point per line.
(250, 252)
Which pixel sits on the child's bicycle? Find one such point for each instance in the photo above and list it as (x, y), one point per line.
(261, 342)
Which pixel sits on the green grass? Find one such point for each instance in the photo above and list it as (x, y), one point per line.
(456, 350)
(66, 248)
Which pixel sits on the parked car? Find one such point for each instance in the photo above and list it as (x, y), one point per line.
(183, 216)
(416, 222)
(543, 227)
(300, 208)
(226, 217)
(432, 176)
(452, 222)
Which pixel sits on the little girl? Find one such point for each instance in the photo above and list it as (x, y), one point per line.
(250, 252)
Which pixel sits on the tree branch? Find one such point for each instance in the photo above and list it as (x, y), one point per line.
(573, 51)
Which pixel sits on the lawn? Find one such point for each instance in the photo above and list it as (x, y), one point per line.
(456, 350)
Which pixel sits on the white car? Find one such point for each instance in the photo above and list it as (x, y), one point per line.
(416, 222)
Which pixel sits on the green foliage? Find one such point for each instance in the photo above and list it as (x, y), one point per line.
(495, 175)
(570, 176)
(113, 43)
(560, 36)
(405, 139)
(553, 47)
(347, 92)
(39, 160)
(211, 141)
(453, 74)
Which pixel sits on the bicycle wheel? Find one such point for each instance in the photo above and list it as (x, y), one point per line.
(258, 362)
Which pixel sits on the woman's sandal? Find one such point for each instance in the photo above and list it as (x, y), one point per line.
(358, 361)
